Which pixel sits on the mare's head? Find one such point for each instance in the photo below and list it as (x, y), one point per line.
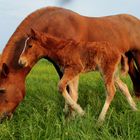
(11, 92)
(33, 50)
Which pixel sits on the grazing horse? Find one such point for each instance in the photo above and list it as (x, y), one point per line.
(123, 31)
(84, 57)
(14, 92)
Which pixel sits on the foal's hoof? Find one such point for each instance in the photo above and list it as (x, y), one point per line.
(82, 113)
(134, 109)
(99, 123)
(66, 109)
(70, 115)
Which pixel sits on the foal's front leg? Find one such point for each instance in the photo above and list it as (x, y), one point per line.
(72, 88)
(73, 92)
(67, 77)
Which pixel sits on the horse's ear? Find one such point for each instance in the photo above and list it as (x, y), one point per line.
(33, 34)
(5, 70)
(28, 35)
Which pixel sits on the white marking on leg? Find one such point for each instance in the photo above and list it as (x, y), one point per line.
(66, 108)
(74, 89)
(73, 104)
(104, 111)
(109, 97)
(123, 87)
(73, 86)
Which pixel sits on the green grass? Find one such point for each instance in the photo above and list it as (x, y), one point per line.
(40, 116)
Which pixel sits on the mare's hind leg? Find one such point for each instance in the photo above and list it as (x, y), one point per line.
(123, 87)
(109, 96)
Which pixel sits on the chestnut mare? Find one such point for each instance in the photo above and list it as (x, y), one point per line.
(123, 31)
(84, 57)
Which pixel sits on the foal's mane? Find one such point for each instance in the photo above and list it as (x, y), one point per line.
(56, 42)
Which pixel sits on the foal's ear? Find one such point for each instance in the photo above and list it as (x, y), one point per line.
(5, 70)
(32, 33)
(35, 34)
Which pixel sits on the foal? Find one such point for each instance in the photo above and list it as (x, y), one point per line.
(74, 58)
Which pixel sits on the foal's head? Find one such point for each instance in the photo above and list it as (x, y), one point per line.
(36, 47)
(33, 49)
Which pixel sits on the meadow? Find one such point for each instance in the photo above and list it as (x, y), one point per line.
(40, 116)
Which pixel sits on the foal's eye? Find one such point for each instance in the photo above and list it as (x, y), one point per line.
(30, 46)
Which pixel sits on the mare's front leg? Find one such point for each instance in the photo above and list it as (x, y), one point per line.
(68, 76)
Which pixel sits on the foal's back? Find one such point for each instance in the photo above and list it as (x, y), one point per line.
(100, 53)
(88, 54)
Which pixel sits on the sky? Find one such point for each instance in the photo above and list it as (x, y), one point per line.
(12, 12)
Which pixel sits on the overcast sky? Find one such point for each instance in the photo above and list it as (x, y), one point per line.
(12, 12)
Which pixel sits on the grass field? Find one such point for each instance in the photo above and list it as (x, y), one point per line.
(40, 116)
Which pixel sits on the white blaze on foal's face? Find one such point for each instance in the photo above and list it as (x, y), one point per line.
(31, 52)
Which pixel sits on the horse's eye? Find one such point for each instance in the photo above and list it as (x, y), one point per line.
(2, 91)
(30, 46)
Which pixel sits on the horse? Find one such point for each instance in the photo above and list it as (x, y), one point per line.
(121, 30)
(84, 57)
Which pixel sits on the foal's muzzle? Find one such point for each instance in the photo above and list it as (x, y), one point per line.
(22, 62)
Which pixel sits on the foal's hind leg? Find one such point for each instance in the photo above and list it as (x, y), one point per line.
(123, 87)
(109, 97)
